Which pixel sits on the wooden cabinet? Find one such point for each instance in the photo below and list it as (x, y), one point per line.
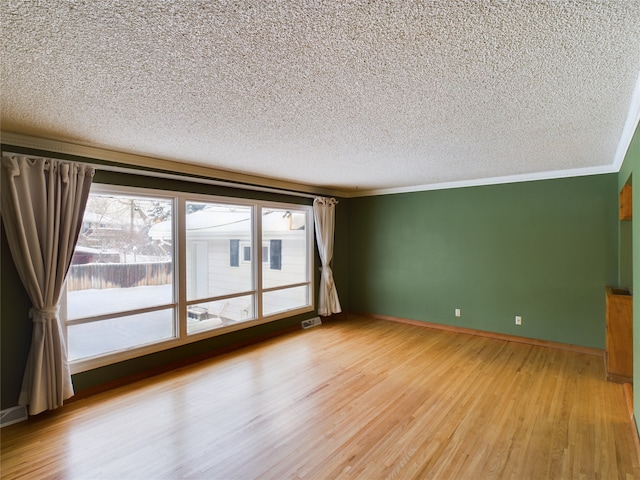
(625, 203)
(619, 354)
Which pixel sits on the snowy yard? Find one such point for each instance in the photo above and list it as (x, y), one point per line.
(121, 333)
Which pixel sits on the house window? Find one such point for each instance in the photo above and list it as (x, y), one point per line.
(138, 283)
(234, 253)
(275, 259)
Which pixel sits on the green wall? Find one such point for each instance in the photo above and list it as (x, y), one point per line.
(15, 326)
(544, 250)
(630, 169)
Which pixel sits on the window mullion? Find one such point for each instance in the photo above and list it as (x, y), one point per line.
(285, 287)
(257, 258)
(180, 254)
(219, 297)
(118, 314)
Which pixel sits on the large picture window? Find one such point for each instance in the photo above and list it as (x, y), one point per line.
(153, 270)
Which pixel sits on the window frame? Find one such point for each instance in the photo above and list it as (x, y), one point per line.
(179, 256)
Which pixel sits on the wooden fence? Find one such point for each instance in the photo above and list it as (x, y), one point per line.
(118, 275)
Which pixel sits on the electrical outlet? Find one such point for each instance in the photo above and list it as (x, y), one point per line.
(518, 320)
(457, 312)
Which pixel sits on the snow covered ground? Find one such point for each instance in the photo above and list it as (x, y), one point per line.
(92, 302)
(122, 333)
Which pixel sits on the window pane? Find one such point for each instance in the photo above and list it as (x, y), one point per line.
(216, 263)
(117, 334)
(210, 315)
(284, 232)
(285, 299)
(117, 264)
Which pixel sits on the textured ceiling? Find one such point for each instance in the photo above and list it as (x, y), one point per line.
(336, 94)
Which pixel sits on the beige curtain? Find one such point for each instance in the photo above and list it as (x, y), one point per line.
(324, 219)
(43, 201)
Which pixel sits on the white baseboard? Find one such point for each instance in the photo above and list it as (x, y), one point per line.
(12, 415)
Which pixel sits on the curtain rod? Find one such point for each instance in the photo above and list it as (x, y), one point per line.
(184, 178)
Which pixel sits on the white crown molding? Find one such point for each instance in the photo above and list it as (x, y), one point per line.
(56, 146)
(488, 181)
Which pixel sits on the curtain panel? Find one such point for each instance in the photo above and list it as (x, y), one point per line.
(324, 219)
(43, 201)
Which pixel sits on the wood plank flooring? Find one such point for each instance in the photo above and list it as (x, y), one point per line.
(360, 398)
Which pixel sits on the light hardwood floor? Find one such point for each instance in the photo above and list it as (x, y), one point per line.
(360, 398)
